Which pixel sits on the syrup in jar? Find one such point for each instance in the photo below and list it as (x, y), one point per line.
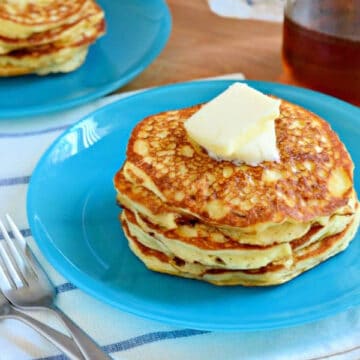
(321, 46)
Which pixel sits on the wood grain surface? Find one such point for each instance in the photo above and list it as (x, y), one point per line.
(203, 44)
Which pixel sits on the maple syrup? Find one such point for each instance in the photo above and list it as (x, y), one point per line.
(321, 47)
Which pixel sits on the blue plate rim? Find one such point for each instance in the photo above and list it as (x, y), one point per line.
(103, 90)
(99, 291)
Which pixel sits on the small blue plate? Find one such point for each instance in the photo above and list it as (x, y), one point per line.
(74, 219)
(137, 30)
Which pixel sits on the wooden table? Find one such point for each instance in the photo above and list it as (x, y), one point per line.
(203, 44)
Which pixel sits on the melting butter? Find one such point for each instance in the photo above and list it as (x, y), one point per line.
(238, 125)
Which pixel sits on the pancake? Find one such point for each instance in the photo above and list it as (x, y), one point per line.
(210, 247)
(70, 60)
(187, 214)
(144, 202)
(207, 249)
(50, 57)
(47, 36)
(62, 35)
(314, 177)
(272, 274)
(20, 19)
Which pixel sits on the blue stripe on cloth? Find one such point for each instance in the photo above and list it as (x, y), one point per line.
(20, 180)
(33, 133)
(151, 337)
(65, 287)
(141, 340)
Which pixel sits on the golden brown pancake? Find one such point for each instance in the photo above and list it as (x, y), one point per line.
(22, 18)
(314, 177)
(272, 274)
(149, 206)
(53, 57)
(47, 36)
(207, 248)
(188, 214)
(61, 35)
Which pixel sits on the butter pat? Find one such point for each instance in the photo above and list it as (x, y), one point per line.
(238, 125)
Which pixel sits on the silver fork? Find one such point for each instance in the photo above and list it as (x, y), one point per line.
(62, 342)
(28, 287)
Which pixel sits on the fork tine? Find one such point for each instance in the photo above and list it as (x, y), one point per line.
(13, 246)
(21, 247)
(11, 258)
(19, 243)
(16, 232)
(5, 273)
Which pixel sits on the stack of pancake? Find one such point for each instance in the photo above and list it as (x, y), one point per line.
(47, 36)
(187, 214)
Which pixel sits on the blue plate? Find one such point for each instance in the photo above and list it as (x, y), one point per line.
(137, 30)
(74, 219)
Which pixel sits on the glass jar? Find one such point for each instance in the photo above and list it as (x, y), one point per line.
(321, 46)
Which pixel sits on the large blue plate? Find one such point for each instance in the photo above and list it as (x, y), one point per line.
(73, 217)
(137, 30)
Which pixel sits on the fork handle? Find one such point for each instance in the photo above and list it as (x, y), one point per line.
(88, 347)
(62, 342)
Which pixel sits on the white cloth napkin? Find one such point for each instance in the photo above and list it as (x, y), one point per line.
(124, 336)
(270, 10)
